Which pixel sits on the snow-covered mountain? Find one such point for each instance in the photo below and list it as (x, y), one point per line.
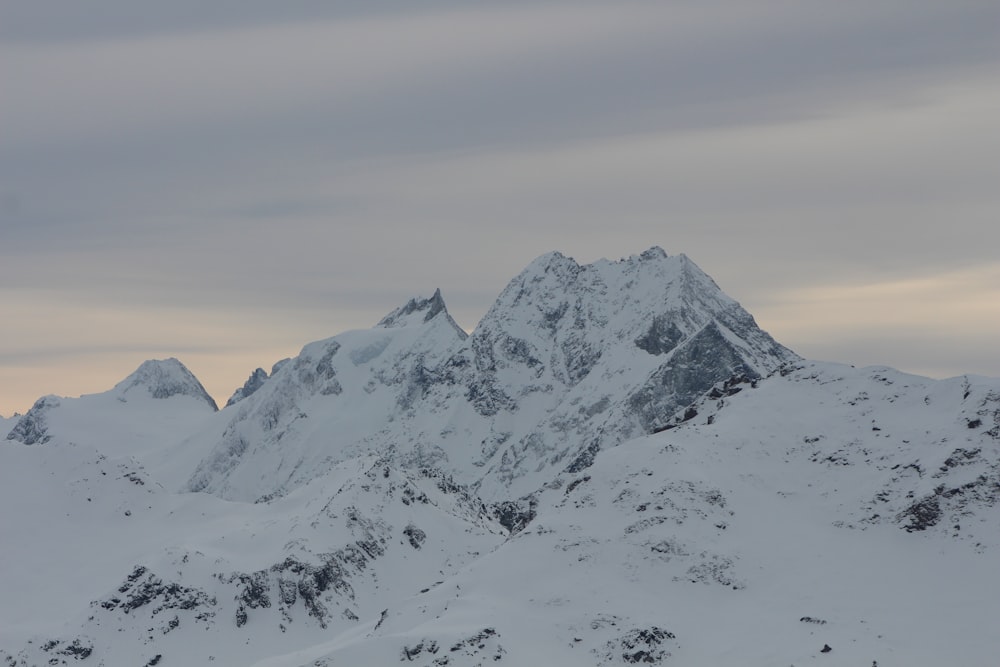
(141, 414)
(616, 467)
(569, 360)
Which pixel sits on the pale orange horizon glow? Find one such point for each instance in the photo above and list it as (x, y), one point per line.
(816, 321)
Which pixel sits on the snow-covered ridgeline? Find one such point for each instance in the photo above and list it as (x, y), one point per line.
(570, 359)
(616, 467)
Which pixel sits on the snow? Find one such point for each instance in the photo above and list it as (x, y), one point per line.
(352, 509)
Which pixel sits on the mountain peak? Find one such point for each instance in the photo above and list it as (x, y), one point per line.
(32, 427)
(551, 262)
(253, 383)
(418, 311)
(655, 252)
(163, 378)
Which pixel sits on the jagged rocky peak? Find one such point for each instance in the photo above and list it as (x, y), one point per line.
(32, 428)
(163, 378)
(565, 315)
(253, 383)
(418, 311)
(656, 252)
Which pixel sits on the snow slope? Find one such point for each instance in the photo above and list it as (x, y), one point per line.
(745, 541)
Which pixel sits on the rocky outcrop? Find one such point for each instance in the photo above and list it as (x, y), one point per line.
(253, 383)
(32, 427)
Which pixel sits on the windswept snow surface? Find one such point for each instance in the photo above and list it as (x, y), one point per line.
(617, 467)
(777, 529)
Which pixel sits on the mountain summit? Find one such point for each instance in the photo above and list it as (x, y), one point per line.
(419, 311)
(570, 359)
(163, 378)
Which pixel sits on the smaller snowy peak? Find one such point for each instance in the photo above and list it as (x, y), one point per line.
(163, 378)
(555, 264)
(253, 383)
(419, 311)
(32, 428)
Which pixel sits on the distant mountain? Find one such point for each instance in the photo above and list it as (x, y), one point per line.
(569, 360)
(163, 379)
(617, 467)
(155, 403)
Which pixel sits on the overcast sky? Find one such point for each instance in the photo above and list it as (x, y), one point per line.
(226, 181)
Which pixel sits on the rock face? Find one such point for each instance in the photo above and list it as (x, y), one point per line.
(419, 311)
(253, 383)
(32, 427)
(570, 359)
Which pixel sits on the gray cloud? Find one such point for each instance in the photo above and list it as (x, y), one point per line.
(317, 163)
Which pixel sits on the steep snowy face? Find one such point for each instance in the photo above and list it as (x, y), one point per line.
(420, 311)
(570, 359)
(602, 352)
(163, 379)
(338, 398)
(567, 316)
(253, 383)
(33, 427)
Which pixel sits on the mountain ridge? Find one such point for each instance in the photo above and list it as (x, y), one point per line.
(523, 364)
(616, 467)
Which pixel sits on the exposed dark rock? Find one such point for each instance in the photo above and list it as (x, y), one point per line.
(143, 588)
(584, 459)
(483, 642)
(960, 457)
(78, 649)
(922, 514)
(487, 398)
(294, 580)
(692, 370)
(415, 536)
(642, 646)
(515, 515)
(661, 337)
(32, 428)
(426, 645)
(431, 308)
(575, 483)
(253, 383)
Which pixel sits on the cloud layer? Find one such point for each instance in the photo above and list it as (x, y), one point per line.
(226, 184)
